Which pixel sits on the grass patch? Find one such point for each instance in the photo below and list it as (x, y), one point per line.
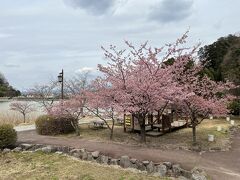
(24, 166)
(15, 118)
(181, 138)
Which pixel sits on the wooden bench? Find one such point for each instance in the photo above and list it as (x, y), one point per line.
(98, 124)
(120, 121)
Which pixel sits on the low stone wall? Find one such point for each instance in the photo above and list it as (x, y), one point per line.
(163, 169)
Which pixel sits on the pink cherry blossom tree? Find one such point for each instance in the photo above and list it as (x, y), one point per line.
(70, 108)
(101, 103)
(143, 82)
(139, 79)
(202, 96)
(22, 107)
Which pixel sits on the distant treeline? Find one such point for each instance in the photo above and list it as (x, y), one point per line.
(5, 89)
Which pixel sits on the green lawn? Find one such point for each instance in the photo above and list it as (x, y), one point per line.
(23, 166)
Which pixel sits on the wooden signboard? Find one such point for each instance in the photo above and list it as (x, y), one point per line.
(128, 120)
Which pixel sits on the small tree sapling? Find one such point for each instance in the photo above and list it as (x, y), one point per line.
(22, 107)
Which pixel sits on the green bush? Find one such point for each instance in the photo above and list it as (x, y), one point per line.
(8, 136)
(49, 125)
(234, 107)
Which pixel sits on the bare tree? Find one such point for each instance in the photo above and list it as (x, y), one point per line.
(77, 84)
(45, 95)
(22, 107)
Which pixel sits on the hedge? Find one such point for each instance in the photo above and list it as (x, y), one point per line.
(49, 125)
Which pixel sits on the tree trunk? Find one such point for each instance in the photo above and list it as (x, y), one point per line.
(111, 130)
(124, 123)
(141, 121)
(194, 135)
(24, 118)
(97, 112)
(76, 127)
(143, 134)
(111, 134)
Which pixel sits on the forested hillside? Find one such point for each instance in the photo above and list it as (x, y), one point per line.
(221, 60)
(5, 89)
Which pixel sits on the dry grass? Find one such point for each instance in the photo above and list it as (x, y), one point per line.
(8, 116)
(15, 118)
(181, 138)
(25, 166)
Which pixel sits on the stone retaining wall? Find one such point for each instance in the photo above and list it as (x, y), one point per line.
(163, 169)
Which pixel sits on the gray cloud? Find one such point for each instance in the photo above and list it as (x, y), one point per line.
(12, 65)
(45, 36)
(4, 35)
(218, 24)
(171, 11)
(96, 7)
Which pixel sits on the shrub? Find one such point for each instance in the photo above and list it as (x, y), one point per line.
(234, 107)
(50, 125)
(8, 136)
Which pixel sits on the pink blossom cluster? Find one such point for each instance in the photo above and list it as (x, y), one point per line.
(72, 107)
(137, 80)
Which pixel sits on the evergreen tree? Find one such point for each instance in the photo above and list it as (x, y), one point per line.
(5, 89)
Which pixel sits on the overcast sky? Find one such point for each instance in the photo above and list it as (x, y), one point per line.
(40, 37)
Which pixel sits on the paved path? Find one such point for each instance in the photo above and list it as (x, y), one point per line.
(24, 127)
(219, 165)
